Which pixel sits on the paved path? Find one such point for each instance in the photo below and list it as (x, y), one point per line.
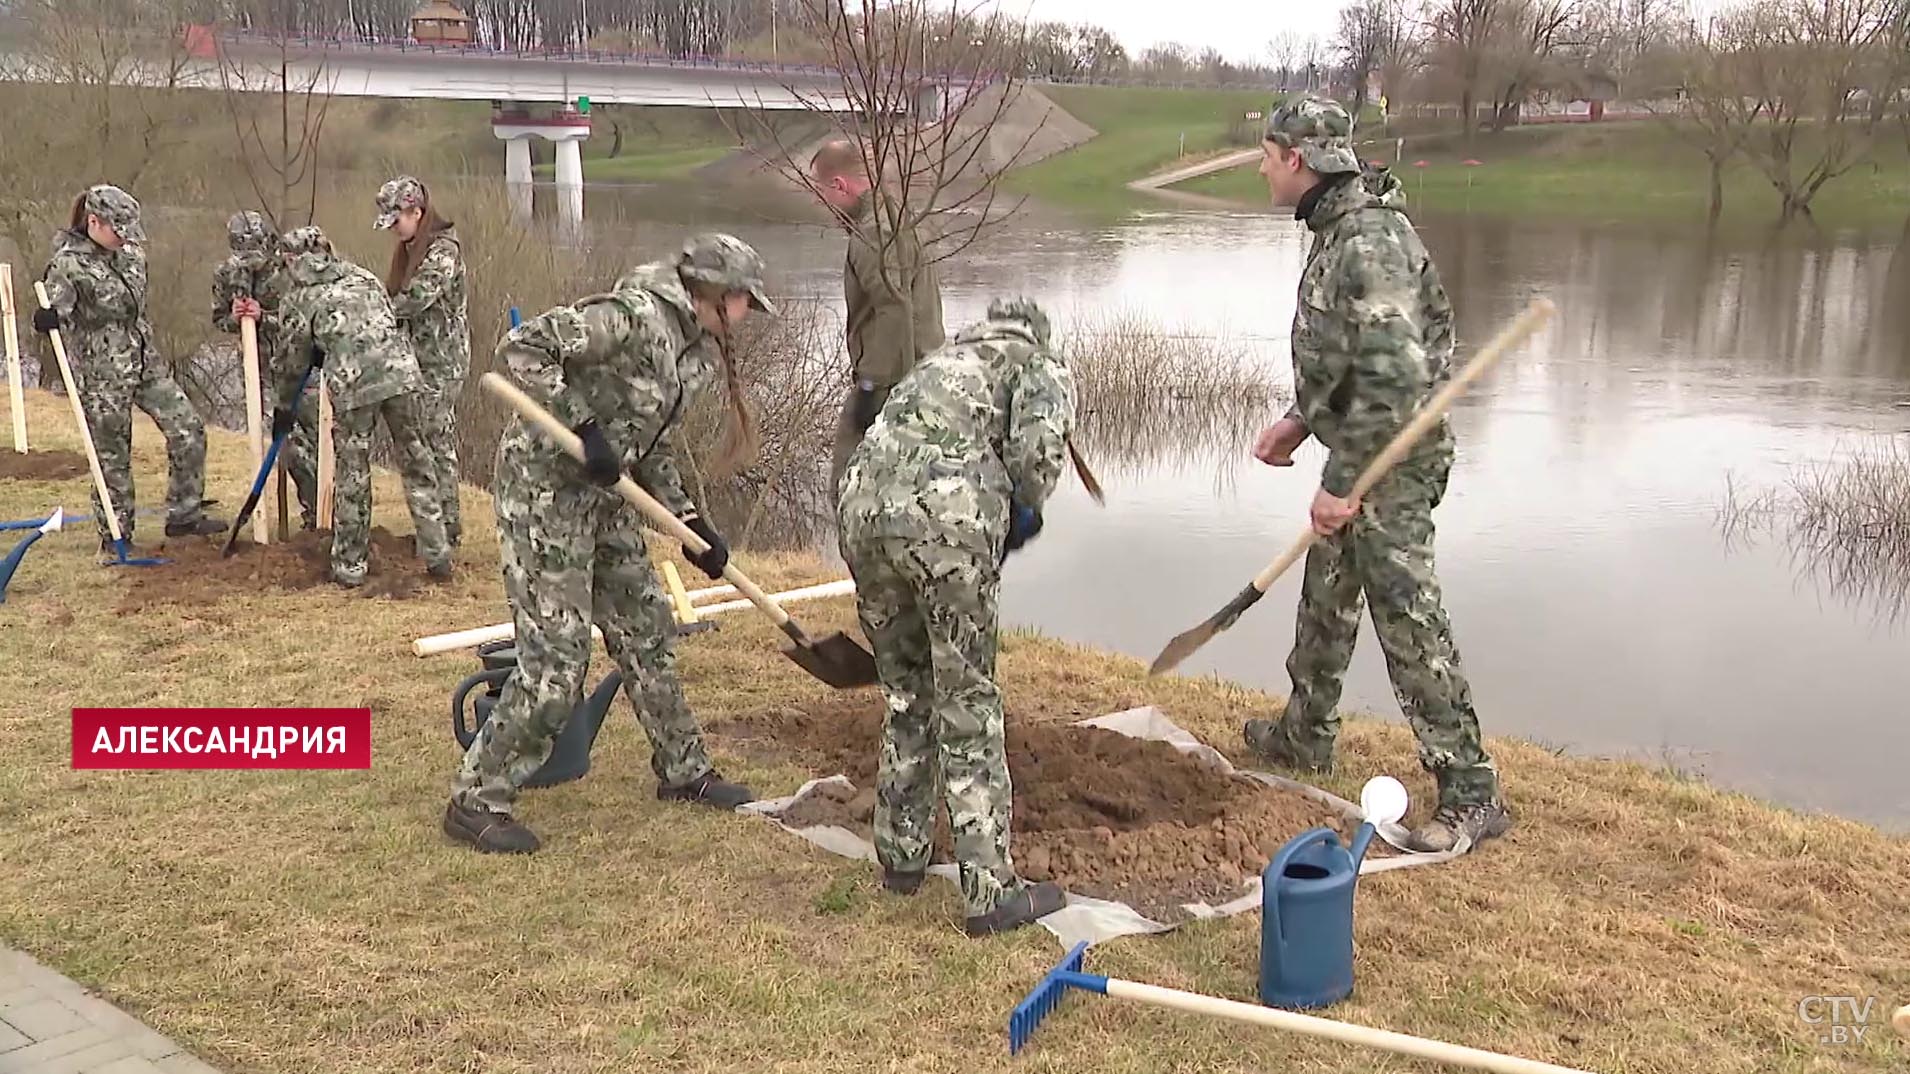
(50, 1024)
(1194, 171)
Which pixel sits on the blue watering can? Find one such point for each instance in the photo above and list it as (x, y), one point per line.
(1306, 907)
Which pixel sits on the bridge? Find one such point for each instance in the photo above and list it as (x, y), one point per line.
(533, 94)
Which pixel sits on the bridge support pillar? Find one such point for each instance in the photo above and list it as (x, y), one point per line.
(517, 176)
(565, 127)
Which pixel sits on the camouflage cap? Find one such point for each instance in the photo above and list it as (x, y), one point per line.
(119, 209)
(305, 240)
(726, 261)
(1022, 309)
(397, 195)
(249, 233)
(1319, 129)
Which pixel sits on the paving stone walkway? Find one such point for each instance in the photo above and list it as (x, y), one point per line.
(50, 1024)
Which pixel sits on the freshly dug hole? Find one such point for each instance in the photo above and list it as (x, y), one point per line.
(197, 574)
(1101, 813)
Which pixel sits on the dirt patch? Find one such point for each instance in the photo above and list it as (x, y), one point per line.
(195, 573)
(1101, 813)
(42, 466)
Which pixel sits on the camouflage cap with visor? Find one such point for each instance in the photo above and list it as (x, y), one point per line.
(118, 209)
(397, 195)
(249, 233)
(1318, 129)
(727, 262)
(301, 241)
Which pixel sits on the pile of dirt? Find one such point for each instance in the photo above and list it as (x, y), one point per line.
(1099, 812)
(43, 465)
(195, 572)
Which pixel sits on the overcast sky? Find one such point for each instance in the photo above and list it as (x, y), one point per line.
(1240, 29)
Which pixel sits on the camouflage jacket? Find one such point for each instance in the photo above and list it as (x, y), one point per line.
(240, 277)
(101, 298)
(634, 360)
(881, 349)
(980, 421)
(343, 309)
(433, 311)
(1372, 331)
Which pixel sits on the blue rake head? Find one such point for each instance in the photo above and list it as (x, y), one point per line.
(1047, 996)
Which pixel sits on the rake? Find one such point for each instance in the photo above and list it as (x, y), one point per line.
(1068, 974)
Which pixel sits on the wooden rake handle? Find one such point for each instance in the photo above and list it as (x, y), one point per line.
(528, 409)
(1528, 322)
(79, 416)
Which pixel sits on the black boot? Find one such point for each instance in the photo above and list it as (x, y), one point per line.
(1031, 902)
(709, 789)
(206, 526)
(491, 833)
(902, 882)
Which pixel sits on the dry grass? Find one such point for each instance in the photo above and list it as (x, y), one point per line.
(294, 921)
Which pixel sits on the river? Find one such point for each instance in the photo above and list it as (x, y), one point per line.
(1599, 604)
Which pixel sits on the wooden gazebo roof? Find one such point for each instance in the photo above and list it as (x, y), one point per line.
(440, 11)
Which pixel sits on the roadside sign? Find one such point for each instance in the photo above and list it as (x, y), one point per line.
(1253, 115)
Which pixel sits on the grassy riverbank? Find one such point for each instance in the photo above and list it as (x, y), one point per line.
(1621, 172)
(1139, 132)
(288, 921)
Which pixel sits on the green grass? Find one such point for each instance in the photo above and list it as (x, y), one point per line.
(1139, 133)
(644, 166)
(1621, 172)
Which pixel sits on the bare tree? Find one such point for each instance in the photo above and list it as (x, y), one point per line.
(1284, 50)
(1715, 112)
(277, 104)
(1369, 40)
(1805, 61)
(1523, 43)
(1463, 34)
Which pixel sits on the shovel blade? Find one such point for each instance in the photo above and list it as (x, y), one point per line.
(836, 660)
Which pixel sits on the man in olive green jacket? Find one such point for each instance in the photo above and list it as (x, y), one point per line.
(892, 322)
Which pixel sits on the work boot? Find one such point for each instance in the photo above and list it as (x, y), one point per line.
(709, 789)
(206, 526)
(348, 579)
(490, 833)
(440, 570)
(1030, 902)
(902, 882)
(1263, 737)
(1478, 822)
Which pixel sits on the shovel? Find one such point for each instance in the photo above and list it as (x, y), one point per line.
(1186, 644)
(836, 659)
(265, 470)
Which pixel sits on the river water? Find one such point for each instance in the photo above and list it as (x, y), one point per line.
(1599, 604)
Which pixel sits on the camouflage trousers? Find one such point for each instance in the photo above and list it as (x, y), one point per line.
(573, 554)
(1384, 557)
(351, 491)
(299, 454)
(108, 403)
(439, 404)
(929, 611)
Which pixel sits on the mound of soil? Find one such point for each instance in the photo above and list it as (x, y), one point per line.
(42, 465)
(1100, 813)
(196, 574)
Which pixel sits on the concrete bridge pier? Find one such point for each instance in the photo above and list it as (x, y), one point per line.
(566, 128)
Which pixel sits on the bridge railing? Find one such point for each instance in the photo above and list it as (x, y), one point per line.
(407, 45)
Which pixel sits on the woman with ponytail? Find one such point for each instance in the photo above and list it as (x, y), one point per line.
(621, 369)
(428, 294)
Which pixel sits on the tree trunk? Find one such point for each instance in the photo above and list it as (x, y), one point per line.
(1717, 189)
(1466, 123)
(616, 139)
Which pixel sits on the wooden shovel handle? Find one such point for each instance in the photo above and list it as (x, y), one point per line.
(528, 409)
(1534, 316)
(79, 415)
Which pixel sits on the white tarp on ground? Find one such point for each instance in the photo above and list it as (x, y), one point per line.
(1096, 920)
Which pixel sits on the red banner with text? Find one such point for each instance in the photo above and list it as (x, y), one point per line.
(221, 738)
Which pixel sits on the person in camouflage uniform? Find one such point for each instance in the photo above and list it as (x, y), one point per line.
(621, 369)
(337, 313)
(428, 294)
(950, 478)
(96, 282)
(251, 282)
(1372, 341)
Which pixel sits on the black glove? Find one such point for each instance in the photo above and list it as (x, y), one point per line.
(45, 320)
(865, 407)
(713, 561)
(282, 421)
(1023, 524)
(601, 463)
(316, 355)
